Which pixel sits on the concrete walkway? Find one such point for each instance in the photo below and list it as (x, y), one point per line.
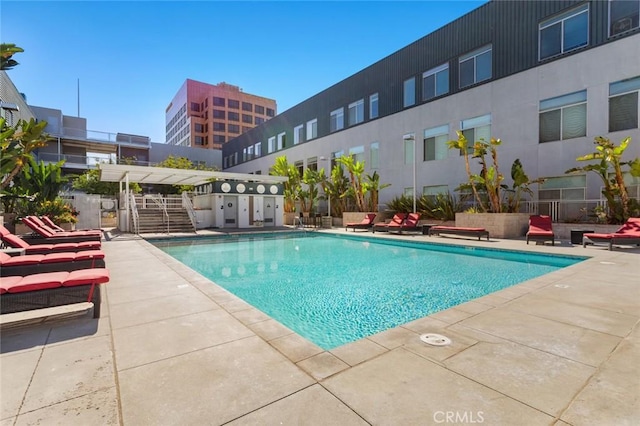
(173, 348)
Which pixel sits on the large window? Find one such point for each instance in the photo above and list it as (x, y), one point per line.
(623, 104)
(271, 144)
(435, 82)
(336, 121)
(218, 127)
(246, 106)
(373, 106)
(475, 66)
(435, 143)
(258, 149)
(233, 116)
(357, 152)
(312, 129)
(563, 117)
(233, 104)
(259, 109)
(271, 112)
(475, 129)
(623, 16)
(218, 113)
(564, 32)
(218, 101)
(298, 134)
(233, 128)
(374, 155)
(282, 140)
(434, 190)
(409, 92)
(247, 118)
(356, 112)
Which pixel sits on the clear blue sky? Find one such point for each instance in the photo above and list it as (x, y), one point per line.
(131, 57)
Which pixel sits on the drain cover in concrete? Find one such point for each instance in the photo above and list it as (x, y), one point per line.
(435, 339)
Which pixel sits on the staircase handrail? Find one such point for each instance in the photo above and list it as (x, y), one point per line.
(134, 212)
(188, 205)
(159, 201)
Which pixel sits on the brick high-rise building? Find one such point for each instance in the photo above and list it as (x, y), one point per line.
(206, 115)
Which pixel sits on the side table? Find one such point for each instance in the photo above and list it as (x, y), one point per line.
(577, 234)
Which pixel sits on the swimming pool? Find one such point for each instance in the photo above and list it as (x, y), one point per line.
(335, 289)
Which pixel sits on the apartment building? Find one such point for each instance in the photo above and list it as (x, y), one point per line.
(545, 77)
(207, 116)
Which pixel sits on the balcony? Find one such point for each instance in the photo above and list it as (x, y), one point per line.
(95, 136)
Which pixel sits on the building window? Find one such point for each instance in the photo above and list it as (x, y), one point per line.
(435, 143)
(246, 118)
(623, 16)
(244, 155)
(198, 128)
(195, 107)
(234, 104)
(234, 128)
(250, 152)
(357, 152)
(409, 92)
(563, 117)
(312, 163)
(245, 129)
(299, 165)
(623, 104)
(282, 140)
(435, 82)
(374, 155)
(258, 149)
(336, 121)
(475, 66)
(219, 139)
(334, 158)
(218, 101)
(356, 112)
(564, 32)
(270, 112)
(246, 106)
(298, 135)
(258, 120)
(312, 129)
(373, 106)
(271, 144)
(218, 113)
(218, 127)
(259, 109)
(199, 140)
(233, 116)
(475, 129)
(569, 189)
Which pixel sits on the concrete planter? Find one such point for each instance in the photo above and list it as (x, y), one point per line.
(289, 217)
(351, 217)
(499, 225)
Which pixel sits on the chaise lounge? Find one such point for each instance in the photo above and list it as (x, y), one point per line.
(627, 234)
(396, 223)
(540, 229)
(409, 224)
(24, 293)
(44, 234)
(15, 241)
(53, 262)
(365, 224)
(458, 230)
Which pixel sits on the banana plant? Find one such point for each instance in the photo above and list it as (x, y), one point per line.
(608, 166)
(357, 189)
(373, 188)
(42, 180)
(16, 146)
(291, 186)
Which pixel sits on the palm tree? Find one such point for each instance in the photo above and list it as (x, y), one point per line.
(373, 187)
(7, 50)
(291, 186)
(355, 170)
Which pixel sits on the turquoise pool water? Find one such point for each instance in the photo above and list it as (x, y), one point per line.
(337, 289)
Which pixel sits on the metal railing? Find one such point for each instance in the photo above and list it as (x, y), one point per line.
(134, 212)
(188, 205)
(160, 202)
(105, 137)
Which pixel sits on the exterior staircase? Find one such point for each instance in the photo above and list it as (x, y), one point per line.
(153, 221)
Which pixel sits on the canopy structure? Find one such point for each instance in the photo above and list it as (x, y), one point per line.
(127, 174)
(162, 175)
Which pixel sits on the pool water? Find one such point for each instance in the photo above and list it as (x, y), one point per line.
(334, 290)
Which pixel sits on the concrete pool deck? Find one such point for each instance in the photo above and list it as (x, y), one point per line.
(173, 348)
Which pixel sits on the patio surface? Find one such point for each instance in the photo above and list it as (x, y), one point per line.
(172, 348)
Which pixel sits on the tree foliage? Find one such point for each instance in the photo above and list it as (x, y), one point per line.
(90, 183)
(7, 50)
(291, 186)
(16, 146)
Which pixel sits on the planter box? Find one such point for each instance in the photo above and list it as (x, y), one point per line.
(499, 225)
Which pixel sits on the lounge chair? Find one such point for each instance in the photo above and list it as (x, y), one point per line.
(627, 234)
(46, 221)
(15, 241)
(53, 262)
(45, 234)
(24, 293)
(409, 224)
(365, 224)
(396, 223)
(540, 229)
(458, 230)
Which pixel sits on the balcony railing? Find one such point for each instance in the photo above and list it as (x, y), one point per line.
(103, 137)
(83, 161)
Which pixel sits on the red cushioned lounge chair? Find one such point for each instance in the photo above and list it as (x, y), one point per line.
(53, 262)
(45, 234)
(540, 229)
(15, 241)
(410, 224)
(24, 293)
(365, 224)
(396, 223)
(627, 234)
(46, 221)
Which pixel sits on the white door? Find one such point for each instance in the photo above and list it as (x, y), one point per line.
(269, 211)
(230, 211)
